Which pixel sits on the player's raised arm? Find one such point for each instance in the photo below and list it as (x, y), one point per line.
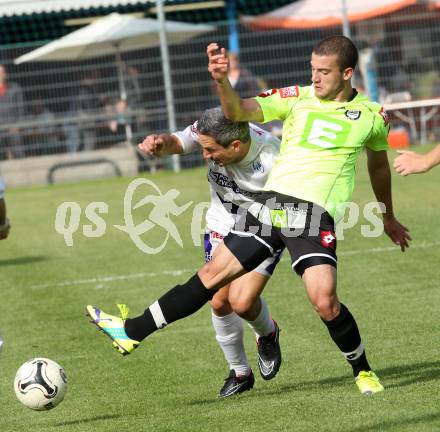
(160, 145)
(234, 108)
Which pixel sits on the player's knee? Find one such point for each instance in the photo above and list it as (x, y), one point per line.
(220, 304)
(217, 272)
(327, 307)
(241, 304)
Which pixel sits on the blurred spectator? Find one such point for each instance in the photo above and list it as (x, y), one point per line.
(426, 80)
(70, 129)
(133, 87)
(246, 84)
(136, 100)
(428, 84)
(11, 113)
(243, 81)
(121, 124)
(400, 80)
(89, 103)
(43, 138)
(85, 115)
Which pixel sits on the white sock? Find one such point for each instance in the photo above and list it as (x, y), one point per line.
(263, 325)
(229, 335)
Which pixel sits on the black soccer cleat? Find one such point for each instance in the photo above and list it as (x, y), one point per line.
(269, 354)
(236, 384)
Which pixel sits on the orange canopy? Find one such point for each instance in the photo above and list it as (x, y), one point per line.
(318, 13)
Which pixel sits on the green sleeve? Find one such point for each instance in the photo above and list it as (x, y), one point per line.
(275, 104)
(378, 140)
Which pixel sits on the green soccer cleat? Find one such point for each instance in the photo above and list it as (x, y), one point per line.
(368, 383)
(113, 327)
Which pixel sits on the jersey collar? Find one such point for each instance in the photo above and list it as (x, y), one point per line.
(251, 155)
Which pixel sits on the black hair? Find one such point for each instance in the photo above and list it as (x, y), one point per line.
(340, 46)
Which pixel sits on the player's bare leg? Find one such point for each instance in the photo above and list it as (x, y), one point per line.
(244, 296)
(221, 270)
(320, 282)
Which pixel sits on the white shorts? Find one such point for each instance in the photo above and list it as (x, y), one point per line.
(213, 239)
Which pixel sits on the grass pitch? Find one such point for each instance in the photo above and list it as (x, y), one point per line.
(171, 382)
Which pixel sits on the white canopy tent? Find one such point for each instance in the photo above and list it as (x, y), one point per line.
(115, 34)
(112, 35)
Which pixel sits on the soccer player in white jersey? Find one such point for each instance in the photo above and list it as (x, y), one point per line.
(239, 157)
(326, 126)
(4, 221)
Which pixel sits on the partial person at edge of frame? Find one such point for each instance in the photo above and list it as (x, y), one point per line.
(409, 162)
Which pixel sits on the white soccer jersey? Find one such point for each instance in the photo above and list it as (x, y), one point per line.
(234, 184)
(2, 187)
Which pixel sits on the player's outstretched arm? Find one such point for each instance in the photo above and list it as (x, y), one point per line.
(160, 145)
(380, 177)
(409, 162)
(234, 108)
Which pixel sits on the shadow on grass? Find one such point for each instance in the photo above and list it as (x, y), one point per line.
(393, 377)
(394, 424)
(216, 400)
(22, 260)
(88, 420)
(410, 374)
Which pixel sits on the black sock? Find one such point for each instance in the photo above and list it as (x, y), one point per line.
(345, 333)
(179, 302)
(360, 364)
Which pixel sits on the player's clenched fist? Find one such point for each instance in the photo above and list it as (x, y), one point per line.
(152, 145)
(218, 62)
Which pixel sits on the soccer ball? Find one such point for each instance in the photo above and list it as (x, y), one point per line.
(40, 384)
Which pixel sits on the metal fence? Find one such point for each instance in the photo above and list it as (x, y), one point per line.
(59, 107)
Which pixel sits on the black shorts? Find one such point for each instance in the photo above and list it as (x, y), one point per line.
(275, 220)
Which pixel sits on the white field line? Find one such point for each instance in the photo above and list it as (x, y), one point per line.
(102, 279)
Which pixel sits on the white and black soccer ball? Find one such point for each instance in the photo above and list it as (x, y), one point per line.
(40, 384)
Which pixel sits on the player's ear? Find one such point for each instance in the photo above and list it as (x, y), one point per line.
(236, 144)
(348, 73)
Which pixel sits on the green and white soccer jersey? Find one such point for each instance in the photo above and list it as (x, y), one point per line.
(321, 142)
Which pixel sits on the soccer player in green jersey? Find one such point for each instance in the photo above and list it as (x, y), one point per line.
(326, 126)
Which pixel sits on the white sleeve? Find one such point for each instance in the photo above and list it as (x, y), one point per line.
(188, 138)
(2, 187)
